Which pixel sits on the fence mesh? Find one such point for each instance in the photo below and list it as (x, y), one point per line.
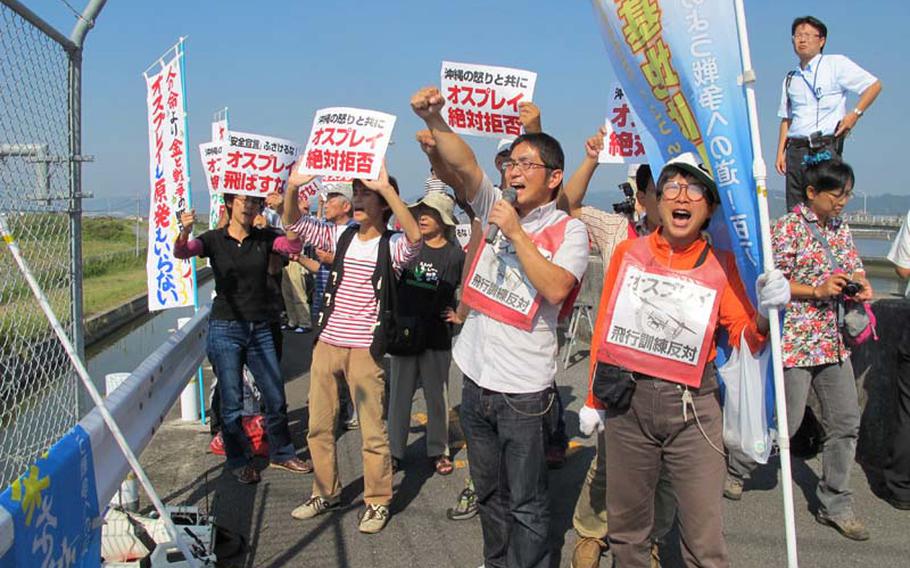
(38, 389)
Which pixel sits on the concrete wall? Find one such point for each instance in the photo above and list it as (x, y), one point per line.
(874, 363)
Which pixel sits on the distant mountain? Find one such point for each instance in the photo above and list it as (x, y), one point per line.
(886, 204)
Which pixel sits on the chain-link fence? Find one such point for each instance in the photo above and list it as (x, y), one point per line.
(38, 389)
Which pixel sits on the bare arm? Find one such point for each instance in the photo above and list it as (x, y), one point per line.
(295, 181)
(865, 101)
(399, 209)
(459, 164)
(529, 115)
(573, 193)
(781, 161)
(902, 272)
(552, 281)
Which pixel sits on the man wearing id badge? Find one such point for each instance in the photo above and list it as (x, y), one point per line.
(507, 348)
(813, 104)
(664, 296)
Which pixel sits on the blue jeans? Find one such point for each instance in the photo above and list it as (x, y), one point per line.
(505, 434)
(231, 345)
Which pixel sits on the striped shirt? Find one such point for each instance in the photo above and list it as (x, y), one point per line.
(356, 308)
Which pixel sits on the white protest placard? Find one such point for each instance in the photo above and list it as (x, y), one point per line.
(347, 142)
(255, 164)
(310, 189)
(622, 143)
(661, 315)
(482, 100)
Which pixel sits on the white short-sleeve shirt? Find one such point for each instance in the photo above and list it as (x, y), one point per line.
(503, 358)
(818, 94)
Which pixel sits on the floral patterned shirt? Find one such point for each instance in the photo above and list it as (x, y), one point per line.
(811, 335)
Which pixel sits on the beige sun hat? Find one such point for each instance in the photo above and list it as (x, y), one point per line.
(441, 202)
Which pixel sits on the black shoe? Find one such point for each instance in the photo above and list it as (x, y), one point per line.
(892, 500)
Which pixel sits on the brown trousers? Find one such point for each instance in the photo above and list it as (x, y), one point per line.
(650, 435)
(366, 379)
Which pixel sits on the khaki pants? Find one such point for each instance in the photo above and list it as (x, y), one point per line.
(432, 366)
(367, 383)
(590, 517)
(293, 290)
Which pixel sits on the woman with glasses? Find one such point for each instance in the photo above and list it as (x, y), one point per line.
(240, 328)
(664, 296)
(814, 353)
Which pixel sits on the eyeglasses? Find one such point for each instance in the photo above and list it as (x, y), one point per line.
(840, 195)
(257, 201)
(806, 36)
(672, 190)
(524, 165)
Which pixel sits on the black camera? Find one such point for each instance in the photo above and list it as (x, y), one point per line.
(627, 206)
(815, 141)
(852, 288)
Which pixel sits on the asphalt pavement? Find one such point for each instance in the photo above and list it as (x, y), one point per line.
(418, 532)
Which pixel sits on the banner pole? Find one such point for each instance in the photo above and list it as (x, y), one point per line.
(181, 53)
(176, 537)
(760, 173)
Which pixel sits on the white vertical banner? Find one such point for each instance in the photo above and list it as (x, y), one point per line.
(219, 134)
(171, 282)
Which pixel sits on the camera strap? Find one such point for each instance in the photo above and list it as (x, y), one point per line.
(818, 236)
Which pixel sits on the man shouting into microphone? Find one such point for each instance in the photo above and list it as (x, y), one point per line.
(507, 348)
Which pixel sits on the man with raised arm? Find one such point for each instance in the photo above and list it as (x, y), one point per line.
(507, 348)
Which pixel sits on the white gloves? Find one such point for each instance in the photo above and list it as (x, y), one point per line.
(590, 419)
(773, 291)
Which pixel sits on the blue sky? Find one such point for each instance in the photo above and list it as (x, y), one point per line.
(274, 63)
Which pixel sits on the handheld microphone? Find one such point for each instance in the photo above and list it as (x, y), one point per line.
(510, 195)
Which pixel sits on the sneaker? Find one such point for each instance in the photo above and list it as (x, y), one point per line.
(352, 424)
(247, 474)
(587, 553)
(373, 519)
(294, 465)
(312, 507)
(733, 488)
(466, 506)
(850, 527)
(302, 329)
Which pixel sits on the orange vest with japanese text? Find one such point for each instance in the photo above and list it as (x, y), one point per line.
(661, 321)
(496, 284)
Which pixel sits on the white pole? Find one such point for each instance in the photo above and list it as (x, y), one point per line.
(176, 538)
(760, 172)
(189, 400)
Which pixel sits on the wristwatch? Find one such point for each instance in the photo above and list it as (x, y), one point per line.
(858, 111)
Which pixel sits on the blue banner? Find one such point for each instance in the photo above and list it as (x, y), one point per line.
(679, 64)
(53, 508)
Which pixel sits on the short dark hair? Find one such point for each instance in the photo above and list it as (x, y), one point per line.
(643, 177)
(673, 171)
(550, 150)
(819, 26)
(387, 214)
(830, 175)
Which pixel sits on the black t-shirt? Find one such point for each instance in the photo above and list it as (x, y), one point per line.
(241, 275)
(427, 287)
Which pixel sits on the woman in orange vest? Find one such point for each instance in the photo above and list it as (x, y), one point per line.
(664, 296)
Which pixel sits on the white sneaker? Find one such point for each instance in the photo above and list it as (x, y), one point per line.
(374, 518)
(313, 506)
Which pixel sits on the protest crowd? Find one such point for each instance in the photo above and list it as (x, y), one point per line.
(369, 276)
